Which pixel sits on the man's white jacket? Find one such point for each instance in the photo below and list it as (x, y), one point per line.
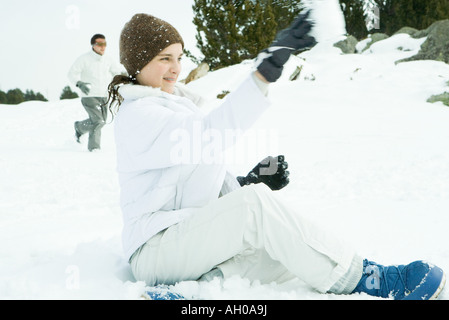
(168, 155)
(97, 70)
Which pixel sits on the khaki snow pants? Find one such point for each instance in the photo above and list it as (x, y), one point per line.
(97, 110)
(249, 232)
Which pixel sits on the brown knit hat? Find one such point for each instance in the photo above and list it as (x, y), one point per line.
(142, 38)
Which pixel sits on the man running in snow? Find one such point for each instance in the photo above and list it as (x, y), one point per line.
(91, 73)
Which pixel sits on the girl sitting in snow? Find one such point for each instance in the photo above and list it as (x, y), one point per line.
(188, 218)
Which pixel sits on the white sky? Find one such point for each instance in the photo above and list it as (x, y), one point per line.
(41, 39)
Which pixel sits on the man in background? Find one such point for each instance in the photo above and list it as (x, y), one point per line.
(91, 73)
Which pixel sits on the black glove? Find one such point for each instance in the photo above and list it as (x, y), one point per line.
(272, 171)
(84, 87)
(270, 62)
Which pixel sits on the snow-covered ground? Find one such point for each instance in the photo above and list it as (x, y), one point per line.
(368, 156)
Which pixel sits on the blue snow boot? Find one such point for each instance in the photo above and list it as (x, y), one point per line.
(416, 281)
(161, 292)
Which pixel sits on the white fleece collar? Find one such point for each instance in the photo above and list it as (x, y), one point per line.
(135, 91)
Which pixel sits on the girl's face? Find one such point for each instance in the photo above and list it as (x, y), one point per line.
(163, 71)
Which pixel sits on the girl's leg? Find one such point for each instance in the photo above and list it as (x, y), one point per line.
(256, 264)
(252, 217)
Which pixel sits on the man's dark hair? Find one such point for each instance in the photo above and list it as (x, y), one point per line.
(95, 37)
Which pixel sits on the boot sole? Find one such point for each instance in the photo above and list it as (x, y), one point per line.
(431, 286)
(440, 288)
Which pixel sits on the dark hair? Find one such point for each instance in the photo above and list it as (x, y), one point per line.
(95, 37)
(115, 99)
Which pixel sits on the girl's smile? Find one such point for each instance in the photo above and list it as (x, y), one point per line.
(163, 71)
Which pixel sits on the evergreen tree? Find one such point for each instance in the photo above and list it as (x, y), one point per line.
(3, 98)
(436, 10)
(410, 13)
(40, 97)
(15, 96)
(418, 14)
(355, 18)
(284, 12)
(31, 96)
(67, 93)
(230, 31)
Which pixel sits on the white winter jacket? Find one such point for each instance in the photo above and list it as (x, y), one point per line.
(98, 70)
(164, 160)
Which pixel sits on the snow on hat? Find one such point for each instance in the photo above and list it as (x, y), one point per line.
(142, 38)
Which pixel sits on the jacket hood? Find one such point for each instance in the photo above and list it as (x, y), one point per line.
(182, 100)
(136, 91)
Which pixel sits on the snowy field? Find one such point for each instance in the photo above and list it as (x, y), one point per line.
(368, 157)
